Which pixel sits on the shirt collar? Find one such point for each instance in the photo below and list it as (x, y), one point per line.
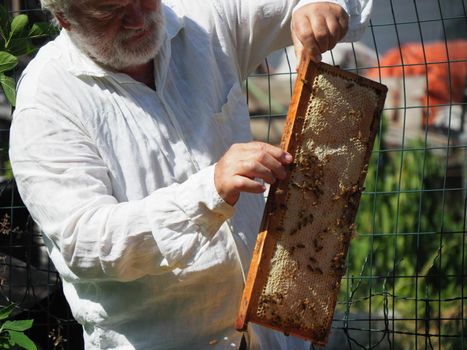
(81, 64)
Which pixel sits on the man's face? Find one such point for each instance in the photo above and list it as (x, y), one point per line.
(118, 33)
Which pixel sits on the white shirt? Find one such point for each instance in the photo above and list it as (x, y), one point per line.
(120, 177)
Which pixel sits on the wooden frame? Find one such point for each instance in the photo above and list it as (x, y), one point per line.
(276, 207)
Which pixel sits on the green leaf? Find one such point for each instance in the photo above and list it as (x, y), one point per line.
(18, 25)
(7, 61)
(19, 325)
(21, 46)
(22, 340)
(6, 311)
(9, 88)
(4, 22)
(42, 29)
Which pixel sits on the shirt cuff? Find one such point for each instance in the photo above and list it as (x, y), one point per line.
(341, 3)
(199, 198)
(184, 218)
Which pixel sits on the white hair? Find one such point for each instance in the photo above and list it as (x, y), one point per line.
(55, 6)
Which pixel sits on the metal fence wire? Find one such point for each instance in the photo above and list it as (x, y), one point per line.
(406, 267)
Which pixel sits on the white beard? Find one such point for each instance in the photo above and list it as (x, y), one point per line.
(121, 52)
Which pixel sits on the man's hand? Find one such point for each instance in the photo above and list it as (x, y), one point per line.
(316, 28)
(243, 162)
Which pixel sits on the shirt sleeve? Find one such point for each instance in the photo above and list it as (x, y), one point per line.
(260, 27)
(67, 188)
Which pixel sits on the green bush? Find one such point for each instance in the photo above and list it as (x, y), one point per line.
(17, 38)
(406, 263)
(12, 331)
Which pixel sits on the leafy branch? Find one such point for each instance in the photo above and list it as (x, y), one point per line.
(16, 39)
(12, 332)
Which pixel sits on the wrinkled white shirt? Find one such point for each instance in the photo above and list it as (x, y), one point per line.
(120, 177)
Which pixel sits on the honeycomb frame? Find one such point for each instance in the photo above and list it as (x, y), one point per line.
(299, 258)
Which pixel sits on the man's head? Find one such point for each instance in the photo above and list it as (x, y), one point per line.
(116, 33)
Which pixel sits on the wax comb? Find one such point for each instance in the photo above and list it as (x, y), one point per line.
(300, 253)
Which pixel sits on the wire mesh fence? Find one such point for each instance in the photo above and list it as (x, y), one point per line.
(406, 267)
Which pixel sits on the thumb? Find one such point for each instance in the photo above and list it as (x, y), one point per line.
(298, 48)
(302, 54)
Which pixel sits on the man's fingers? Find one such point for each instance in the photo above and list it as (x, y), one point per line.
(321, 33)
(276, 152)
(254, 169)
(344, 24)
(336, 31)
(304, 40)
(302, 54)
(267, 163)
(242, 163)
(298, 49)
(244, 184)
(316, 28)
(264, 166)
